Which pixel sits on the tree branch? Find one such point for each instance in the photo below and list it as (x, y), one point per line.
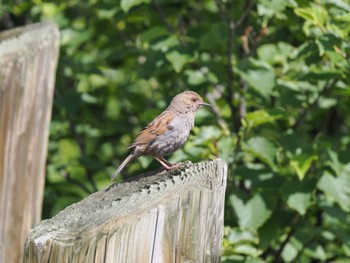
(282, 246)
(229, 69)
(232, 26)
(161, 14)
(312, 105)
(245, 14)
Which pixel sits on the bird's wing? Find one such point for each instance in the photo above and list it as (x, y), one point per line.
(157, 127)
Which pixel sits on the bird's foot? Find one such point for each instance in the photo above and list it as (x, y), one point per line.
(174, 166)
(171, 167)
(167, 165)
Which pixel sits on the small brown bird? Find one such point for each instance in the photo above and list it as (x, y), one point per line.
(168, 132)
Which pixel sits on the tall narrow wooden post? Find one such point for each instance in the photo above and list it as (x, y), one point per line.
(28, 59)
(161, 218)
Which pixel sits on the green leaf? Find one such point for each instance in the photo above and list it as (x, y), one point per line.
(327, 103)
(298, 194)
(225, 146)
(326, 43)
(236, 236)
(107, 13)
(251, 213)
(259, 117)
(300, 202)
(214, 40)
(342, 4)
(337, 188)
(275, 53)
(126, 5)
(97, 81)
(321, 74)
(269, 231)
(153, 33)
(49, 9)
(210, 42)
(208, 133)
(334, 163)
(195, 77)
(267, 53)
(270, 8)
(301, 164)
(317, 252)
(306, 13)
(166, 44)
(247, 249)
(86, 97)
(68, 150)
(262, 80)
(289, 252)
(178, 60)
(315, 14)
(263, 149)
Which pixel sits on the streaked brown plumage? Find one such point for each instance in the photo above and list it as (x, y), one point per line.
(168, 132)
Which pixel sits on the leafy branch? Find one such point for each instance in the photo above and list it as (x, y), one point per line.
(162, 17)
(310, 106)
(226, 13)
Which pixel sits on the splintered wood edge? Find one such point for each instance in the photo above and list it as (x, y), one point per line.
(110, 208)
(18, 40)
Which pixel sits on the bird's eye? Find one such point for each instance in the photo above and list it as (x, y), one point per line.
(194, 99)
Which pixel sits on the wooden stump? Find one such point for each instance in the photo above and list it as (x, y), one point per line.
(174, 217)
(28, 59)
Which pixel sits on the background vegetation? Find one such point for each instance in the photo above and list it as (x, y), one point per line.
(277, 73)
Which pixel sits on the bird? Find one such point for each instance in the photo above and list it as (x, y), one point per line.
(166, 133)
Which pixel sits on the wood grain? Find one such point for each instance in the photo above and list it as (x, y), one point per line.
(28, 59)
(174, 217)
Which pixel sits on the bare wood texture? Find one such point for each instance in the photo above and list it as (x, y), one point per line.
(28, 59)
(174, 217)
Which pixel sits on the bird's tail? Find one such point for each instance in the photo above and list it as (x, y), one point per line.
(125, 162)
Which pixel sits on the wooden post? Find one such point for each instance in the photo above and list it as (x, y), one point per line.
(174, 217)
(28, 59)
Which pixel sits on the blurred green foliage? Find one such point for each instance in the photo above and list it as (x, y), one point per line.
(278, 76)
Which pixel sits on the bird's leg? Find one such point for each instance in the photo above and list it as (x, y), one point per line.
(167, 165)
(164, 164)
(171, 165)
(165, 161)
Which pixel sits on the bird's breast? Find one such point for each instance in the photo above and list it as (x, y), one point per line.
(173, 138)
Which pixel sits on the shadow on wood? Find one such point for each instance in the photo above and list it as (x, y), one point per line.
(28, 60)
(173, 217)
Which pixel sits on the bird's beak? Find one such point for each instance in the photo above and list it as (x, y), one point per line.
(204, 104)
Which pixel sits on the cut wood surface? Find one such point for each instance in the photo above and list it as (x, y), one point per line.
(28, 60)
(173, 217)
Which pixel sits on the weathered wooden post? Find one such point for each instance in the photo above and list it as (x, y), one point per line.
(174, 217)
(28, 59)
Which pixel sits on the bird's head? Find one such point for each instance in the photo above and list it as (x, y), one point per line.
(188, 101)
